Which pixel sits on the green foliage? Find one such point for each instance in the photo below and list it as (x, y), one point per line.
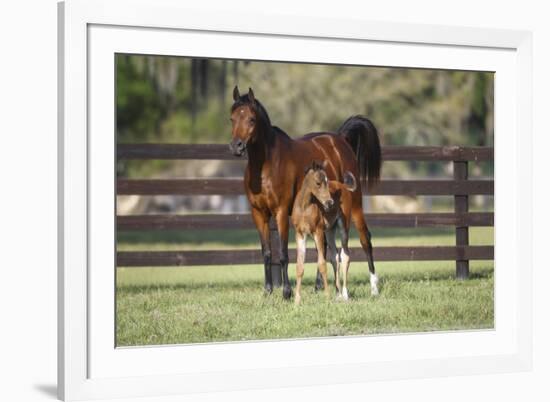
(183, 100)
(138, 104)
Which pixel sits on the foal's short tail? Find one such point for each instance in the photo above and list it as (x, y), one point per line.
(349, 181)
(362, 135)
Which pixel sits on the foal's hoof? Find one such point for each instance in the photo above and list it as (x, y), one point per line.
(287, 292)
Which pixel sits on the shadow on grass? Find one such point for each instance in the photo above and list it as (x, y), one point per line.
(443, 275)
(252, 283)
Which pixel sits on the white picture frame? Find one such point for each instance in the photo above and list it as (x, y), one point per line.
(90, 367)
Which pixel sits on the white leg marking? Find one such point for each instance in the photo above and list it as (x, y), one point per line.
(301, 257)
(374, 284)
(344, 258)
(301, 248)
(345, 295)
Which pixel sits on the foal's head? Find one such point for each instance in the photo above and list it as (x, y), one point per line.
(248, 117)
(316, 183)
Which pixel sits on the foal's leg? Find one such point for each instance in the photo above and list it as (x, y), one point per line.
(261, 220)
(344, 257)
(319, 237)
(365, 239)
(319, 278)
(282, 227)
(331, 242)
(300, 260)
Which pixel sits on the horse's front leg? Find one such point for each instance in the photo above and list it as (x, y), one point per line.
(261, 219)
(282, 228)
(330, 236)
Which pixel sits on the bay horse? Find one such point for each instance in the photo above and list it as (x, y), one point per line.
(276, 166)
(320, 207)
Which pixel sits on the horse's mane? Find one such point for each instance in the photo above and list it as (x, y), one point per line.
(280, 131)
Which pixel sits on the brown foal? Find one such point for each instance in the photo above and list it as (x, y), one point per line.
(319, 207)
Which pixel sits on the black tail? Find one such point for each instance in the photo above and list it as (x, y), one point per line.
(362, 135)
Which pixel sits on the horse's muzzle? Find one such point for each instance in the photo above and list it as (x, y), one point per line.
(237, 147)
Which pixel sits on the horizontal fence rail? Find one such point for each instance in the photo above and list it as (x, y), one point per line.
(222, 152)
(460, 187)
(244, 221)
(236, 187)
(224, 257)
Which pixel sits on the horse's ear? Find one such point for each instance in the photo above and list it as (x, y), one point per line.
(236, 94)
(251, 97)
(318, 165)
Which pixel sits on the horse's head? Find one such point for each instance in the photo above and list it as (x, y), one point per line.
(244, 119)
(316, 182)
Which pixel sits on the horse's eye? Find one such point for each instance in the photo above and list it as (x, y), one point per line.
(252, 121)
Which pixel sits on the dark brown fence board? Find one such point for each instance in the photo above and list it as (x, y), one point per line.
(244, 221)
(460, 188)
(460, 172)
(236, 187)
(225, 257)
(221, 151)
(175, 151)
(447, 153)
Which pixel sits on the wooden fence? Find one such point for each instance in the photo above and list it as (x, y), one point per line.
(460, 188)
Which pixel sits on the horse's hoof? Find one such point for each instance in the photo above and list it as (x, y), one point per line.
(268, 289)
(345, 295)
(287, 293)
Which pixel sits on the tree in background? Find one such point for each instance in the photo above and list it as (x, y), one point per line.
(184, 100)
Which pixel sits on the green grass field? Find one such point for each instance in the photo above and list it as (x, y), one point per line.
(208, 304)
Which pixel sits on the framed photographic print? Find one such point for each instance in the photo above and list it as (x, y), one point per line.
(199, 152)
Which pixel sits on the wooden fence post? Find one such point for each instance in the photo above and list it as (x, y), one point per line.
(460, 170)
(276, 274)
